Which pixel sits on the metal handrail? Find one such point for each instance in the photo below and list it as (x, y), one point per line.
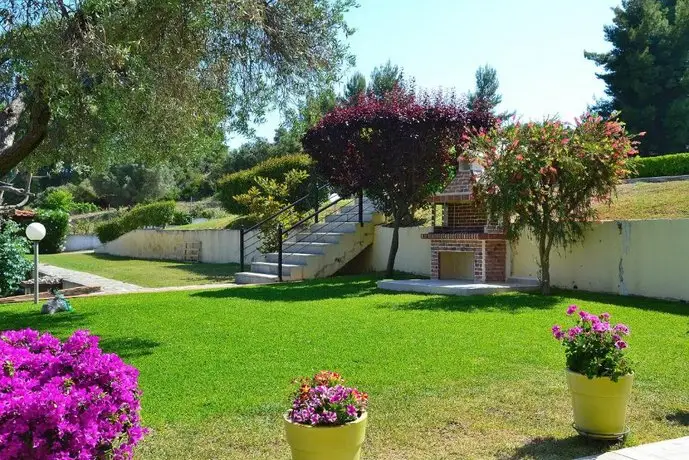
(311, 216)
(285, 209)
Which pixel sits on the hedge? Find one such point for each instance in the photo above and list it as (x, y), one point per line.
(676, 164)
(56, 223)
(157, 214)
(273, 168)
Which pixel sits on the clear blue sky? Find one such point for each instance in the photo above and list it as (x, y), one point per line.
(537, 47)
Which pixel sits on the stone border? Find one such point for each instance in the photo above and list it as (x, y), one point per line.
(657, 179)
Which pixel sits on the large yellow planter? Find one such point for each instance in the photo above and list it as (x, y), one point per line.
(600, 405)
(326, 442)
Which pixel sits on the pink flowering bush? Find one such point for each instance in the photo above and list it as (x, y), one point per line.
(593, 346)
(324, 400)
(65, 400)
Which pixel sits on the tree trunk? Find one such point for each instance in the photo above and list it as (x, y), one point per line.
(544, 256)
(13, 150)
(393, 247)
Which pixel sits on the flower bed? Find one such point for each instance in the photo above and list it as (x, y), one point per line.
(66, 400)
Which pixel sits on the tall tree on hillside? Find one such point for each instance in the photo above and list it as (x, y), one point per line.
(486, 92)
(94, 80)
(647, 72)
(385, 78)
(355, 87)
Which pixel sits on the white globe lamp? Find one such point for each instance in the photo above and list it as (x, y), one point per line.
(35, 232)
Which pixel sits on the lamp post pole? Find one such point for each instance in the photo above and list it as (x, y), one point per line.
(35, 232)
(35, 273)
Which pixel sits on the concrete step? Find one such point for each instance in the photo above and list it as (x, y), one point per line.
(290, 271)
(254, 278)
(348, 217)
(340, 227)
(305, 247)
(320, 237)
(295, 258)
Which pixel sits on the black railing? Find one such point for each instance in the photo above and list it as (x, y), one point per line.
(249, 240)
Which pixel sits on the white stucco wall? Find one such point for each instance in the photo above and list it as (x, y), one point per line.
(413, 255)
(81, 242)
(644, 257)
(217, 246)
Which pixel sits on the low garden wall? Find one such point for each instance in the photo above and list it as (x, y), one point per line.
(81, 243)
(217, 246)
(645, 257)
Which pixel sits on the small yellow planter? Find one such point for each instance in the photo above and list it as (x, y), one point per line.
(326, 442)
(600, 405)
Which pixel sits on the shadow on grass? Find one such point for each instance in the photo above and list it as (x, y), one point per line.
(679, 417)
(57, 323)
(128, 347)
(322, 289)
(642, 303)
(553, 448)
(516, 302)
(215, 272)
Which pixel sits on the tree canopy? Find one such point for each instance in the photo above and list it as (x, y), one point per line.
(103, 81)
(545, 177)
(400, 149)
(647, 72)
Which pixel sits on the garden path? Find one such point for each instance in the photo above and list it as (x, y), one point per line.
(672, 449)
(108, 286)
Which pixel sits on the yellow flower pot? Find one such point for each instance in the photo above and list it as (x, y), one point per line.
(326, 442)
(600, 405)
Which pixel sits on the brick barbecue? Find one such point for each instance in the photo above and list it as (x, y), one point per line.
(466, 246)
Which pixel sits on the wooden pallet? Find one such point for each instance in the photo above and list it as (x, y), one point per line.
(192, 251)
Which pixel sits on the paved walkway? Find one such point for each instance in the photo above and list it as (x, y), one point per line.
(107, 285)
(672, 449)
(110, 286)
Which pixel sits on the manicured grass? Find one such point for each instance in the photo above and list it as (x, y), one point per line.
(147, 273)
(448, 377)
(641, 200)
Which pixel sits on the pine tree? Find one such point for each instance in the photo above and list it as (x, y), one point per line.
(647, 72)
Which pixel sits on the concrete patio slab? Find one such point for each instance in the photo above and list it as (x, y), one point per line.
(672, 449)
(454, 287)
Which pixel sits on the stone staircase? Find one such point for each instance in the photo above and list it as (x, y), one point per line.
(319, 250)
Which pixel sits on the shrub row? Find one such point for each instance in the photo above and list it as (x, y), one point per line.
(676, 164)
(273, 168)
(157, 214)
(56, 223)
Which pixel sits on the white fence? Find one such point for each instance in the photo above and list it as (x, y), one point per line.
(217, 246)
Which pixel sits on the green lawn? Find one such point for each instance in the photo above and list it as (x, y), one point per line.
(641, 200)
(147, 273)
(448, 377)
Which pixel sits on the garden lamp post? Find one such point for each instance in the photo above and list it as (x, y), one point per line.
(35, 232)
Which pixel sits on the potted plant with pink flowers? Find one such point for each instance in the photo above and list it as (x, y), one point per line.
(327, 419)
(599, 375)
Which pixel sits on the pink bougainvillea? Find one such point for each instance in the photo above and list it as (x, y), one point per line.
(65, 400)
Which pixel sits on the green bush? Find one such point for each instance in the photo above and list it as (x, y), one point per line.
(83, 208)
(273, 168)
(111, 230)
(180, 217)
(56, 224)
(58, 199)
(676, 164)
(13, 265)
(157, 214)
